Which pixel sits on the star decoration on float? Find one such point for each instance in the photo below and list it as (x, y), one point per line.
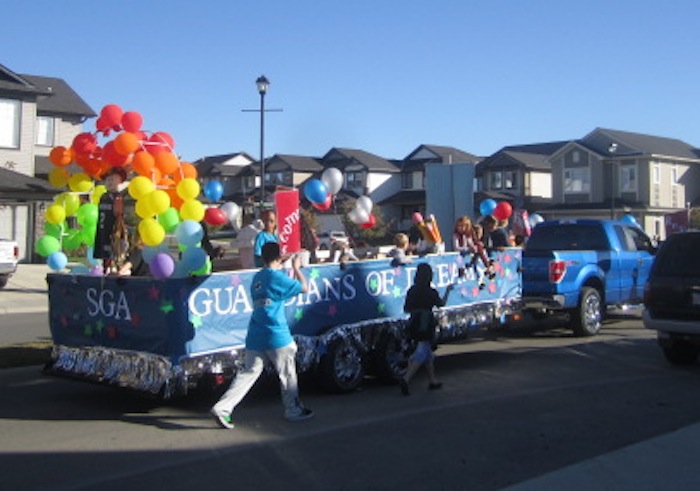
(315, 273)
(196, 321)
(153, 292)
(332, 310)
(298, 314)
(397, 292)
(99, 326)
(166, 307)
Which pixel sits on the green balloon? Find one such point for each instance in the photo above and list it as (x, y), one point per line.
(54, 230)
(87, 214)
(169, 219)
(47, 245)
(88, 233)
(72, 240)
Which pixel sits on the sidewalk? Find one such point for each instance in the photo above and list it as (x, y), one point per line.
(26, 291)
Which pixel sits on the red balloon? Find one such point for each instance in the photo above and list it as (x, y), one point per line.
(215, 216)
(502, 211)
(132, 121)
(111, 156)
(160, 141)
(84, 143)
(111, 115)
(326, 205)
(369, 223)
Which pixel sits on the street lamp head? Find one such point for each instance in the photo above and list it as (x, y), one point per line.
(262, 82)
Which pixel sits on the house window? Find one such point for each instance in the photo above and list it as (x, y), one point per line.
(674, 175)
(628, 178)
(496, 180)
(44, 131)
(407, 180)
(657, 174)
(9, 123)
(575, 156)
(510, 179)
(577, 180)
(353, 180)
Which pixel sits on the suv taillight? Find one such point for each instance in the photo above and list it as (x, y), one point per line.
(16, 252)
(557, 271)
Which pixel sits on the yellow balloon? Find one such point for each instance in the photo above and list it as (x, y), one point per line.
(97, 193)
(80, 183)
(188, 188)
(140, 186)
(58, 177)
(69, 201)
(192, 210)
(143, 209)
(158, 201)
(55, 214)
(152, 233)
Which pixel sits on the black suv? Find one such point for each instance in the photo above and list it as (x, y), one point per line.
(672, 298)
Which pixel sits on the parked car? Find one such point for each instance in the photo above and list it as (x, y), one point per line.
(672, 298)
(9, 254)
(327, 239)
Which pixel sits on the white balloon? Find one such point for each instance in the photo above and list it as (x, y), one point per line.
(358, 216)
(333, 179)
(231, 210)
(365, 203)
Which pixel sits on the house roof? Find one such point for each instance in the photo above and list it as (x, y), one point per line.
(628, 143)
(16, 186)
(342, 157)
(11, 82)
(532, 157)
(297, 163)
(216, 164)
(446, 155)
(62, 99)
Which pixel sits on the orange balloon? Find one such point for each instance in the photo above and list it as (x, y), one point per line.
(126, 143)
(142, 163)
(156, 175)
(167, 162)
(186, 170)
(61, 156)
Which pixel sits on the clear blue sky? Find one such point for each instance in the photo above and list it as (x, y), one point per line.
(382, 76)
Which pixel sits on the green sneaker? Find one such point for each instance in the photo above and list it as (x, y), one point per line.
(223, 421)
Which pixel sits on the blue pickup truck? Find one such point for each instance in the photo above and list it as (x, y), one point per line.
(584, 266)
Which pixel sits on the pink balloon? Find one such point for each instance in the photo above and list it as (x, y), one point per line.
(417, 217)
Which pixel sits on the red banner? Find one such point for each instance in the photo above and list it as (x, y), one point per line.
(676, 222)
(288, 225)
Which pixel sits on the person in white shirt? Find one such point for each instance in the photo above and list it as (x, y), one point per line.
(245, 240)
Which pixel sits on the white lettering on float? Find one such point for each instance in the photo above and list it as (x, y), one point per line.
(108, 304)
(287, 228)
(229, 300)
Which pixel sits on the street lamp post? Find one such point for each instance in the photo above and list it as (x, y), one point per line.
(262, 83)
(611, 150)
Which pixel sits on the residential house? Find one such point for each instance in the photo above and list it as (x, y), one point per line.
(519, 174)
(36, 114)
(408, 190)
(612, 173)
(232, 170)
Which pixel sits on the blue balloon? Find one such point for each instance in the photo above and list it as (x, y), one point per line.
(194, 258)
(57, 261)
(315, 191)
(213, 191)
(487, 206)
(189, 233)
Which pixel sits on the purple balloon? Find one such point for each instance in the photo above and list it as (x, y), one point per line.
(162, 265)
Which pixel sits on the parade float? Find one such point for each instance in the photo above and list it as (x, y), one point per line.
(183, 326)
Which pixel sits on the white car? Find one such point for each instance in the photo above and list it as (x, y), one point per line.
(326, 239)
(9, 253)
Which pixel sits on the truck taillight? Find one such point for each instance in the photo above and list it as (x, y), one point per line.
(557, 271)
(16, 251)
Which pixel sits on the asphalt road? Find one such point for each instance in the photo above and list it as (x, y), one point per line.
(513, 408)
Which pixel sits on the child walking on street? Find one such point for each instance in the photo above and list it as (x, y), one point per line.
(420, 300)
(269, 338)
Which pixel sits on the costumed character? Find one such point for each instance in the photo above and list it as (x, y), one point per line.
(111, 237)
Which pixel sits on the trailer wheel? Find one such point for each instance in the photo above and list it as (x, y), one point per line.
(587, 318)
(681, 353)
(391, 355)
(341, 368)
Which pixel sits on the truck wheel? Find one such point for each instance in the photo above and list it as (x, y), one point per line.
(341, 368)
(391, 355)
(3, 280)
(586, 319)
(681, 353)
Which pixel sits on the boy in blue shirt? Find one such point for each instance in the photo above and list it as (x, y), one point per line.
(267, 234)
(269, 338)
